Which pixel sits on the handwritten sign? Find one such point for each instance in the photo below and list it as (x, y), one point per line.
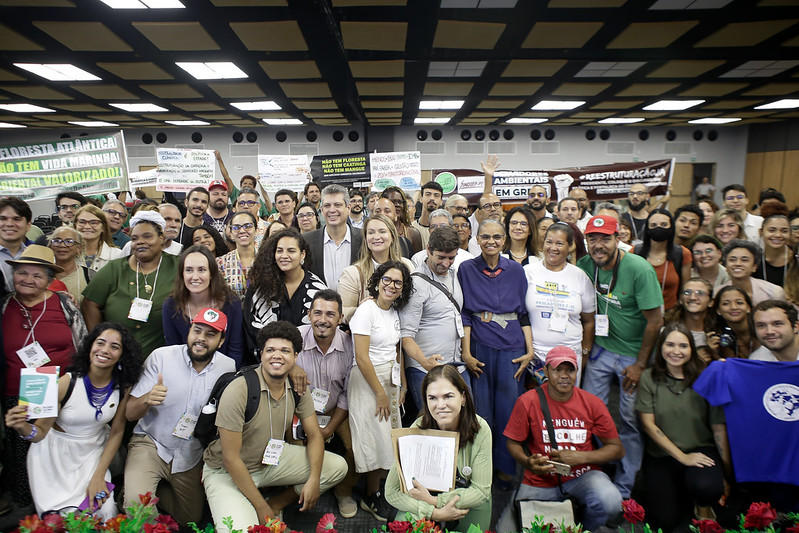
(283, 172)
(403, 169)
(181, 170)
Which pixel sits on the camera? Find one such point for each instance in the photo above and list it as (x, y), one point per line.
(727, 337)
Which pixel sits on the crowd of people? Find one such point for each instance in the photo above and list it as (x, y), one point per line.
(340, 310)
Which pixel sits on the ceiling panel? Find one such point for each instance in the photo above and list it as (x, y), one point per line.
(171, 90)
(143, 70)
(463, 34)
(685, 68)
(84, 36)
(277, 36)
(105, 92)
(290, 70)
(651, 34)
(374, 35)
(173, 36)
(560, 34)
(394, 68)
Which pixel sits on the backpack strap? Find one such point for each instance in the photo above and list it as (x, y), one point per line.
(70, 388)
(253, 391)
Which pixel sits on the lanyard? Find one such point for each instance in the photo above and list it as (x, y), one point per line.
(285, 414)
(27, 316)
(612, 281)
(155, 281)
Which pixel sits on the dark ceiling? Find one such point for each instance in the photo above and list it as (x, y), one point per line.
(360, 62)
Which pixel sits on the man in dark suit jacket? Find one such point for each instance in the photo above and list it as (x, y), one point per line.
(336, 245)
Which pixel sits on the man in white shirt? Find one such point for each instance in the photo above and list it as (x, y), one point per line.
(777, 329)
(735, 198)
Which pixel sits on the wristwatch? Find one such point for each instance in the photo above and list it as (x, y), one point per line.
(586, 351)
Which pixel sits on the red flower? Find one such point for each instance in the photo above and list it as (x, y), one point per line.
(113, 524)
(399, 527)
(54, 522)
(326, 523)
(168, 521)
(708, 526)
(633, 512)
(155, 528)
(259, 529)
(148, 499)
(793, 529)
(759, 515)
(30, 522)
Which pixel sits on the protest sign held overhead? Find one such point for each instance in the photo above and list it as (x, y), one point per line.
(402, 169)
(88, 165)
(181, 170)
(347, 170)
(283, 172)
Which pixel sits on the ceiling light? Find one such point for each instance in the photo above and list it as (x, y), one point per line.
(187, 122)
(10, 125)
(672, 105)
(283, 121)
(25, 108)
(556, 105)
(212, 70)
(143, 4)
(441, 104)
(140, 108)
(525, 120)
(713, 120)
(57, 72)
(265, 105)
(95, 124)
(430, 120)
(620, 120)
(785, 103)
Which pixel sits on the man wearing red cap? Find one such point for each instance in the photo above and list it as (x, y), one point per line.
(628, 318)
(576, 417)
(175, 385)
(217, 214)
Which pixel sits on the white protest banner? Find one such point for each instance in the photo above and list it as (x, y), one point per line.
(403, 169)
(181, 170)
(283, 172)
(89, 165)
(145, 178)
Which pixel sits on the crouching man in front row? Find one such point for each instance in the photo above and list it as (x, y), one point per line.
(253, 454)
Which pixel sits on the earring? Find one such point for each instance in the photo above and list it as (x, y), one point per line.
(119, 366)
(302, 261)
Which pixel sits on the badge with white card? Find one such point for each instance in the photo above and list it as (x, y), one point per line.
(140, 309)
(33, 355)
(320, 398)
(396, 377)
(602, 324)
(558, 322)
(459, 324)
(274, 448)
(185, 426)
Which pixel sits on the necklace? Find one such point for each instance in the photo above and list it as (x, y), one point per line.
(97, 397)
(668, 385)
(523, 256)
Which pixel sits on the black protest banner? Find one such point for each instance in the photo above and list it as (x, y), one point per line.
(347, 170)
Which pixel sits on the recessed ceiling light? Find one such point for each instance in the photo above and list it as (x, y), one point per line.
(283, 121)
(140, 108)
(620, 120)
(785, 103)
(556, 105)
(525, 120)
(94, 124)
(265, 105)
(673, 105)
(187, 122)
(713, 120)
(10, 125)
(430, 120)
(25, 108)
(57, 72)
(212, 70)
(441, 104)
(143, 4)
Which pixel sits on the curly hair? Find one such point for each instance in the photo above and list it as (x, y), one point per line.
(280, 329)
(407, 282)
(532, 245)
(468, 425)
(217, 288)
(131, 363)
(692, 368)
(265, 276)
(219, 242)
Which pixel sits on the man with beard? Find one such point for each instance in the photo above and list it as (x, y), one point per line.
(638, 203)
(166, 401)
(356, 210)
(628, 318)
(217, 214)
(196, 203)
(313, 195)
(431, 200)
(579, 194)
(537, 201)
(777, 329)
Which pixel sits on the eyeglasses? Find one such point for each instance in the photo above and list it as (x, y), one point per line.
(69, 207)
(706, 251)
(306, 215)
(239, 227)
(462, 226)
(636, 193)
(92, 223)
(521, 223)
(247, 203)
(495, 205)
(459, 209)
(738, 197)
(496, 237)
(69, 243)
(698, 292)
(114, 214)
(398, 283)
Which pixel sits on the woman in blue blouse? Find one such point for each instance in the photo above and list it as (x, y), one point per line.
(498, 343)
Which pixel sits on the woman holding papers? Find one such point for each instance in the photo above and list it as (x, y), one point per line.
(449, 407)
(69, 455)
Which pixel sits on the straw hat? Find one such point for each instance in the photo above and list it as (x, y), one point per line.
(36, 254)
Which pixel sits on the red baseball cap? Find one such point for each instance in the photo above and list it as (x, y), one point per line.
(561, 354)
(217, 183)
(601, 224)
(211, 318)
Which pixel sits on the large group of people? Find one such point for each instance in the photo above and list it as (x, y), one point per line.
(339, 309)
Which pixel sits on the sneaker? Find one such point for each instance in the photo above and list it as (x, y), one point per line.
(383, 507)
(372, 504)
(347, 507)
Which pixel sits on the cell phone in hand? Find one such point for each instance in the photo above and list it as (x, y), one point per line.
(560, 468)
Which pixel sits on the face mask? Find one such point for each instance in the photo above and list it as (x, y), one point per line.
(658, 234)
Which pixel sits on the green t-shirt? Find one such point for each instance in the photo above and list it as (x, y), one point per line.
(684, 416)
(636, 287)
(113, 288)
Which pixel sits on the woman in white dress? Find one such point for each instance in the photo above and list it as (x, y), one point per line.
(69, 457)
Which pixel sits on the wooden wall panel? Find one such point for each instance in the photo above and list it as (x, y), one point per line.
(682, 179)
(753, 174)
(790, 178)
(773, 167)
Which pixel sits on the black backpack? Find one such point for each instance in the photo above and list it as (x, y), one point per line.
(205, 430)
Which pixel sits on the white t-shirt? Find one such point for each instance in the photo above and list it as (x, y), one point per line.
(568, 292)
(383, 328)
